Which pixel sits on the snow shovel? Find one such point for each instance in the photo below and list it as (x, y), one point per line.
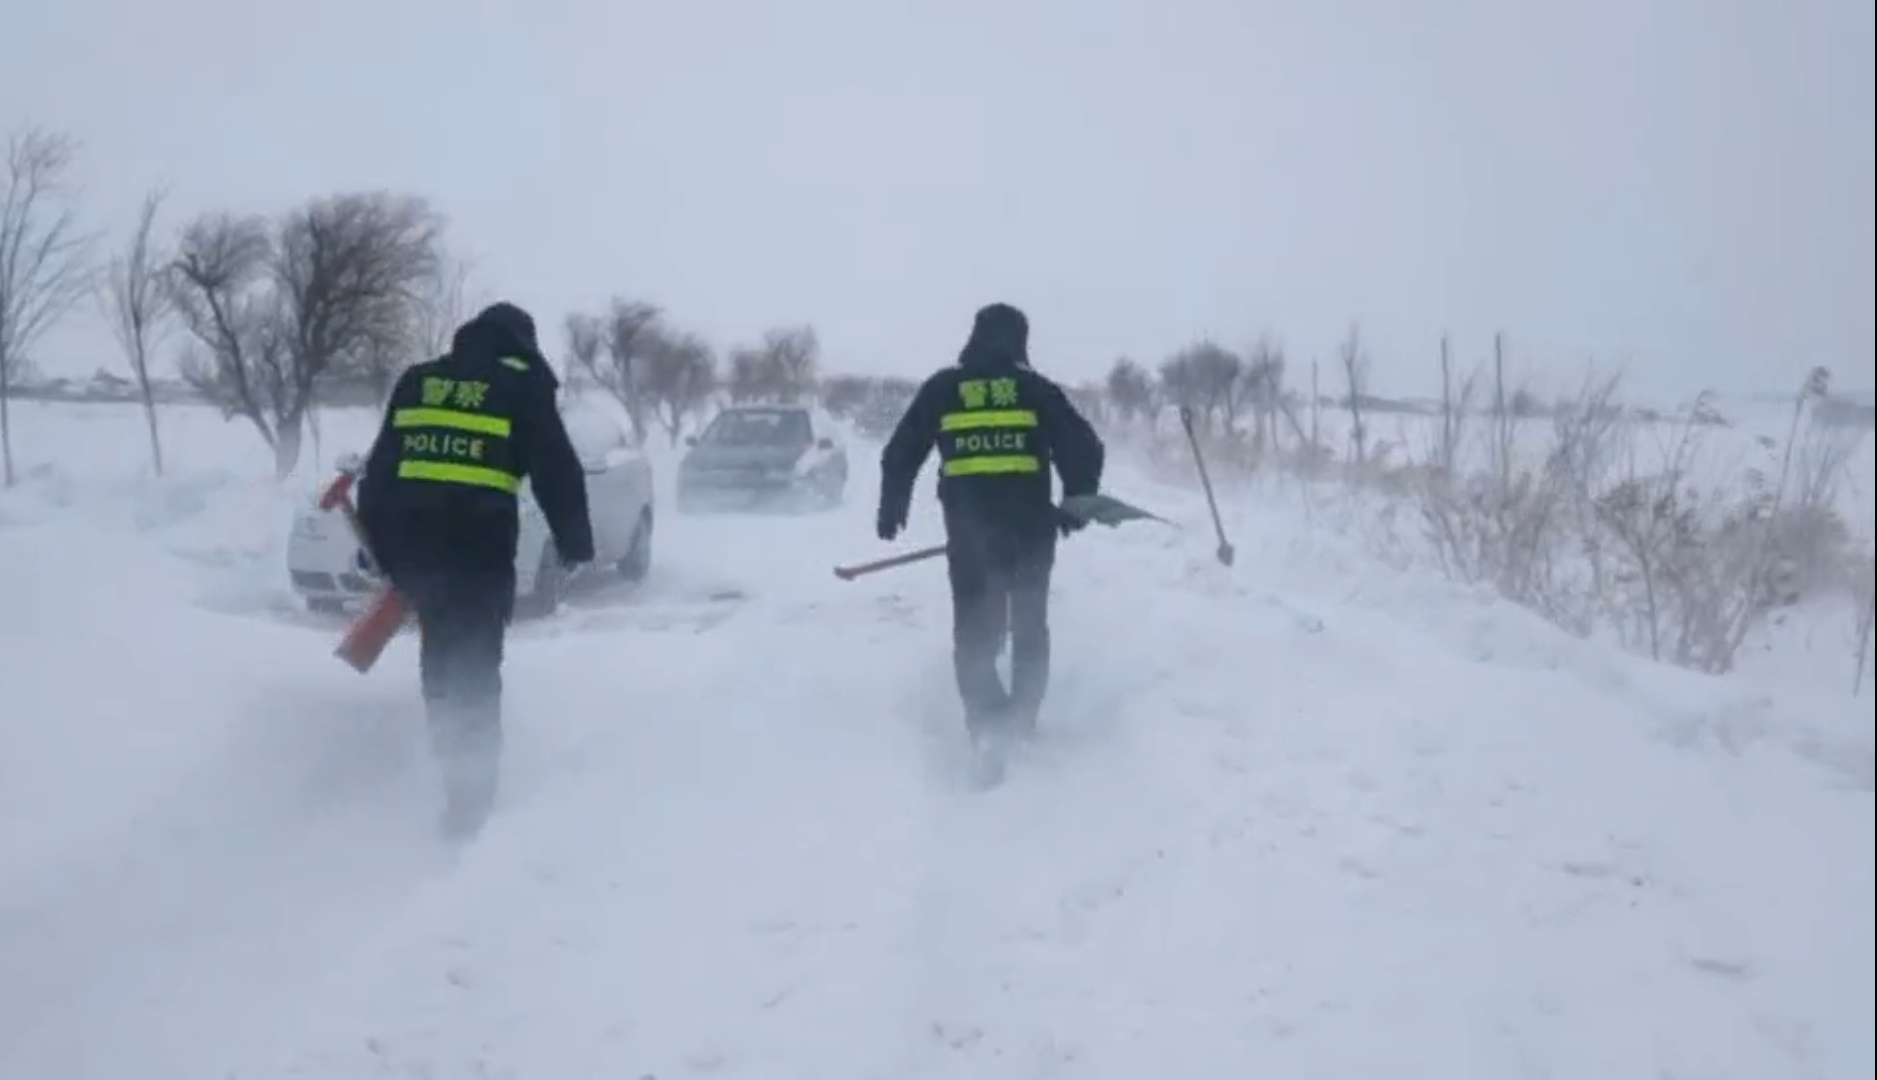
(1099, 509)
(1106, 510)
(1225, 551)
(365, 640)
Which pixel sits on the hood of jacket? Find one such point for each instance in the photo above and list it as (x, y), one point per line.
(999, 341)
(501, 329)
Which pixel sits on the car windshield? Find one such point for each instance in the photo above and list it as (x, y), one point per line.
(759, 427)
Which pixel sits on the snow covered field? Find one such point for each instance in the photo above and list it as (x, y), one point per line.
(1307, 817)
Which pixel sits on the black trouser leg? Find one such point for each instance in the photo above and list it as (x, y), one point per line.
(980, 614)
(460, 660)
(1029, 631)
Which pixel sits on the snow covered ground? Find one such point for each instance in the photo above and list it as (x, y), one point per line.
(1306, 817)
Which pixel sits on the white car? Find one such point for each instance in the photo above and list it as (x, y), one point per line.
(329, 570)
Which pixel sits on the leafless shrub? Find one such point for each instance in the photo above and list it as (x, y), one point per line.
(1712, 566)
(1821, 461)
(1522, 521)
(1651, 530)
(138, 306)
(1556, 506)
(1588, 435)
(44, 258)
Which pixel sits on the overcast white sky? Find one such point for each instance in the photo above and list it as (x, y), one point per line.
(1684, 185)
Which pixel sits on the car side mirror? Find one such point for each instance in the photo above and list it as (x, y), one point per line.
(824, 443)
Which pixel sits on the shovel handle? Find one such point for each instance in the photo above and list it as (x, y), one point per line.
(849, 573)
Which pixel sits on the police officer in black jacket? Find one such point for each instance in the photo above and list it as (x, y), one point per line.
(999, 427)
(438, 506)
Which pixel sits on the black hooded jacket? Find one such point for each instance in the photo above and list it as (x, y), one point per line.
(421, 530)
(998, 348)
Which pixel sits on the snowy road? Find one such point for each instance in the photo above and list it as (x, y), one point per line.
(1301, 818)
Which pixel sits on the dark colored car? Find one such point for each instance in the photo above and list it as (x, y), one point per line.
(763, 457)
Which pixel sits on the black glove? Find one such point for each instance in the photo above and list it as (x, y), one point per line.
(574, 550)
(1067, 523)
(889, 522)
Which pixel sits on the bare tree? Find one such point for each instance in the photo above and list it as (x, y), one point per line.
(334, 290)
(748, 376)
(612, 350)
(583, 345)
(218, 285)
(1456, 406)
(1864, 625)
(434, 308)
(1261, 389)
(1090, 398)
(1131, 390)
(1355, 363)
(794, 359)
(351, 272)
(1316, 408)
(138, 306)
(887, 399)
(443, 303)
(44, 259)
(631, 332)
(843, 395)
(678, 376)
(1204, 377)
(1505, 417)
(785, 367)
